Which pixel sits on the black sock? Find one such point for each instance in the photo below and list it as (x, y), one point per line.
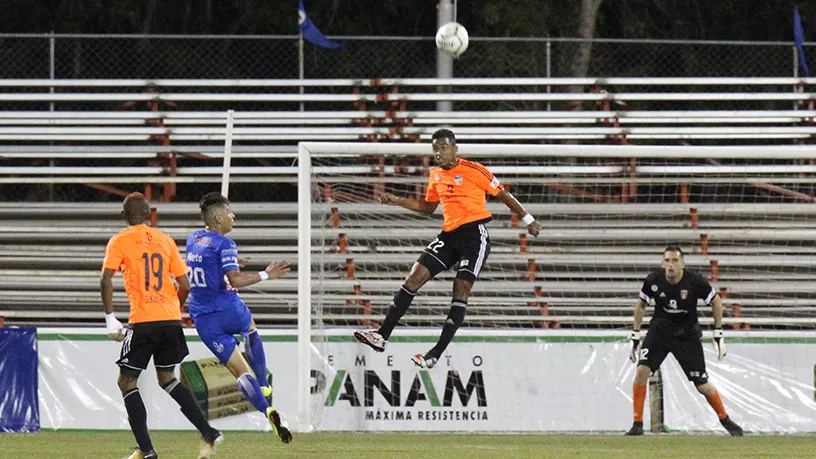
(456, 316)
(182, 395)
(399, 306)
(137, 416)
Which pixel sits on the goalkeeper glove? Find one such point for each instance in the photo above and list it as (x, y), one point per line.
(719, 343)
(634, 345)
(115, 328)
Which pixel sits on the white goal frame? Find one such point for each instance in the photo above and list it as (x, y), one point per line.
(306, 150)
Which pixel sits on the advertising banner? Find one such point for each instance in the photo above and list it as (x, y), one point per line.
(536, 380)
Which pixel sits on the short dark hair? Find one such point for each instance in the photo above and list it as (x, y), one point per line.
(211, 199)
(444, 134)
(209, 203)
(674, 248)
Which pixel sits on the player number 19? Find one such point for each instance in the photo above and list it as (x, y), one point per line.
(153, 264)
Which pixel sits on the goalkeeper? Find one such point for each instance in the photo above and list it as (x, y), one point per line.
(460, 186)
(674, 328)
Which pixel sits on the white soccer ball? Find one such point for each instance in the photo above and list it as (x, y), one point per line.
(452, 38)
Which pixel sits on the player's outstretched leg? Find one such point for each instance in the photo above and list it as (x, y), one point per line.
(190, 408)
(378, 339)
(713, 397)
(257, 360)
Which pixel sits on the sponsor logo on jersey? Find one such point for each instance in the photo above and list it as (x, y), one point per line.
(673, 304)
(457, 179)
(683, 294)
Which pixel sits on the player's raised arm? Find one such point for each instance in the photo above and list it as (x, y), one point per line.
(275, 270)
(417, 205)
(512, 203)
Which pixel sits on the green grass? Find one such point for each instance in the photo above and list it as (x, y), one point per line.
(172, 444)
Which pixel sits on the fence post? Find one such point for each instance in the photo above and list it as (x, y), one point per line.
(51, 75)
(549, 66)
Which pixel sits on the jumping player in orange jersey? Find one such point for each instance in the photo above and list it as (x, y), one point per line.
(460, 186)
(149, 260)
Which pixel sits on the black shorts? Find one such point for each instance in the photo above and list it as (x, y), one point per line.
(687, 350)
(468, 245)
(163, 341)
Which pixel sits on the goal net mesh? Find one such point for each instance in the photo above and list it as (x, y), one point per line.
(743, 216)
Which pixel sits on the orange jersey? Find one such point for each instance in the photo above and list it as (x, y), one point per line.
(149, 261)
(461, 191)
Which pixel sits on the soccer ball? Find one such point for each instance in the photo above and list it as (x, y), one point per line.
(452, 38)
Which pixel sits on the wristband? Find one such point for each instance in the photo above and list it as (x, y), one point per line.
(527, 219)
(264, 275)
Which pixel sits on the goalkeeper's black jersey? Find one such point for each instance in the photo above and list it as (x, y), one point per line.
(675, 310)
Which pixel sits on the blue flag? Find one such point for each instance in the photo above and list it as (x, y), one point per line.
(311, 33)
(799, 40)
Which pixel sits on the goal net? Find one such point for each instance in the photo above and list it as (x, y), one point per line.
(543, 343)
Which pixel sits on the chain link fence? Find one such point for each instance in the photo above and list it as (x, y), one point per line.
(162, 56)
(273, 57)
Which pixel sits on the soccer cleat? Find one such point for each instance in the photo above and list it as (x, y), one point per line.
(138, 454)
(267, 392)
(731, 427)
(280, 428)
(208, 444)
(424, 362)
(372, 339)
(637, 429)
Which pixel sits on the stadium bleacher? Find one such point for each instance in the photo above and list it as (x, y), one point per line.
(50, 253)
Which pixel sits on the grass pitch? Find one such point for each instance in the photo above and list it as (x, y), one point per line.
(172, 444)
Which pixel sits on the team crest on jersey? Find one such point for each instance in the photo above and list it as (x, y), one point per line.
(457, 179)
(683, 294)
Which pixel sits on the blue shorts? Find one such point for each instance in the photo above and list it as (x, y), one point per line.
(218, 329)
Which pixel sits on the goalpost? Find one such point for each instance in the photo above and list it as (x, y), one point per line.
(562, 301)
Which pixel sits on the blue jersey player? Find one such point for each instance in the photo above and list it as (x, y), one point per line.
(217, 310)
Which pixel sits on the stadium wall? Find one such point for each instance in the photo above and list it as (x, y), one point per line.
(488, 381)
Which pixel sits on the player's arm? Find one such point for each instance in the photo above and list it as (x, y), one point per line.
(275, 270)
(115, 328)
(106, 290)
(717, 308)
(634, 337)
(178, 269)
(183, 289)
(417, 205)
(640, 311)
(113, 259)
(512, 203)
